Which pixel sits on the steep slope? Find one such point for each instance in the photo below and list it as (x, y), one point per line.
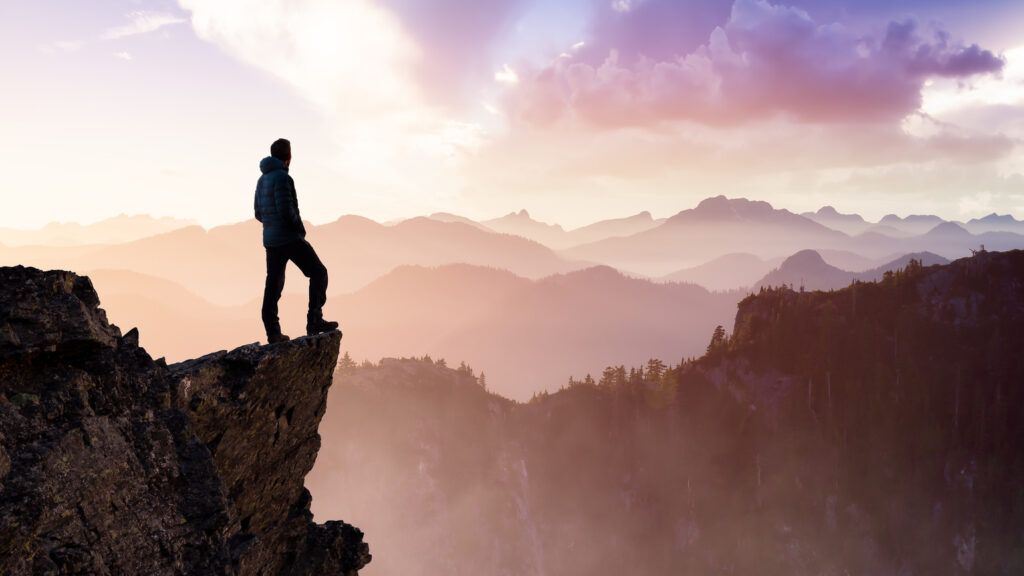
(806, 270)
(851, 224)
(876, 274)
(612, 228)
(727, 272)
(522, 224)
(112, 463)
(877, 429)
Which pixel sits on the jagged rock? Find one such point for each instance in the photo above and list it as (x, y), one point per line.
(111, 463)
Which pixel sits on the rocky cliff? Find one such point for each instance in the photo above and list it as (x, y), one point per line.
(114, 463)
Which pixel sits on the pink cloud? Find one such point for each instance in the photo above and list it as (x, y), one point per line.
(766, 60)
(456, 37)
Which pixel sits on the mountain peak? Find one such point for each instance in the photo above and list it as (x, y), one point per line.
(997, 218)
(804, 259)
(721, 208)
(948, 229)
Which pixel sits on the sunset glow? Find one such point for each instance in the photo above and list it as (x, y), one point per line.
(570, 110)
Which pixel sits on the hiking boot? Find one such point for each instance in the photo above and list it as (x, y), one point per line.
(277, 338)
(320, 326)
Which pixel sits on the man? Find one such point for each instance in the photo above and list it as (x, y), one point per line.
(284, 237)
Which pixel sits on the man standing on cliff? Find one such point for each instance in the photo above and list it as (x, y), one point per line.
(284, 237)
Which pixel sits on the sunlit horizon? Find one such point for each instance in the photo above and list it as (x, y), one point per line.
(577, 112)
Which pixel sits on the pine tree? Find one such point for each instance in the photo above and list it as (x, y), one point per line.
(717, 340)
(655, 369)
(482, 381)
(607, 376)
(346, 363)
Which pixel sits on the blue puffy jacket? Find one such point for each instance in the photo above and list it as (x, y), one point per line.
(276, 205)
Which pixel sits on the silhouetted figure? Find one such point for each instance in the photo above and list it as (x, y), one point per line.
(284, 237)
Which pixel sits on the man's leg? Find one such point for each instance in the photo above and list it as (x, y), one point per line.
(277, 260)
(304, 256)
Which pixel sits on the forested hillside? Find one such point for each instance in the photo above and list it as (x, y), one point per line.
(872, 430)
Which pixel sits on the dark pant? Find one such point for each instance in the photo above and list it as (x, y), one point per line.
(302, 254)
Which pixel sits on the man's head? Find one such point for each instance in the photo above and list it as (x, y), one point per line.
(282, 150)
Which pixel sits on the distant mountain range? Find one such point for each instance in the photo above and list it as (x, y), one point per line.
(124, 228)
(553, 235)
(226, 265)
(807, 270)
(504, 324)
(114, 230)
(449, 286)
(721, 226)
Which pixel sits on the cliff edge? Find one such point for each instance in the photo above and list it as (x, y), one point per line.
(113, 463)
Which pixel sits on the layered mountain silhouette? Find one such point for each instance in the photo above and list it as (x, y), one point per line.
(727, 272)
(721, 226)
(504, 324)
(914, 224)
(876, 429)
(851, 224)
(995, 223)
(807, 270)
(114, 230)
(553, 235)
(226, 264)
(521, 224)
(716, 227)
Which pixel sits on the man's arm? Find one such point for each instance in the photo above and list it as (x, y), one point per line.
(256, 204)
(286, 201)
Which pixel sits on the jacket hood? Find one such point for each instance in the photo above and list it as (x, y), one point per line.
(269, 164)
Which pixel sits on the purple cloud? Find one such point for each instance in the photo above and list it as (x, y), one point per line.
(765, 60)
(456, 37)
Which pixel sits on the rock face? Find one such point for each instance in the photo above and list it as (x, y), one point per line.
(113, 463)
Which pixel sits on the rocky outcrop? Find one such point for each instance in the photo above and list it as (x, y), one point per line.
(113, 463)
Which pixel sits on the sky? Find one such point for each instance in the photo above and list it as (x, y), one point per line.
(576, 110)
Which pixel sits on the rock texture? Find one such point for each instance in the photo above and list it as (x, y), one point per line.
(113, 463)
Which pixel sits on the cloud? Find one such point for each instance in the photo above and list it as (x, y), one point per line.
(766, 60)
(356, 64)
(506, 75)
(126, 56)
(349, 58)
(142, 22)
(456, 39)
